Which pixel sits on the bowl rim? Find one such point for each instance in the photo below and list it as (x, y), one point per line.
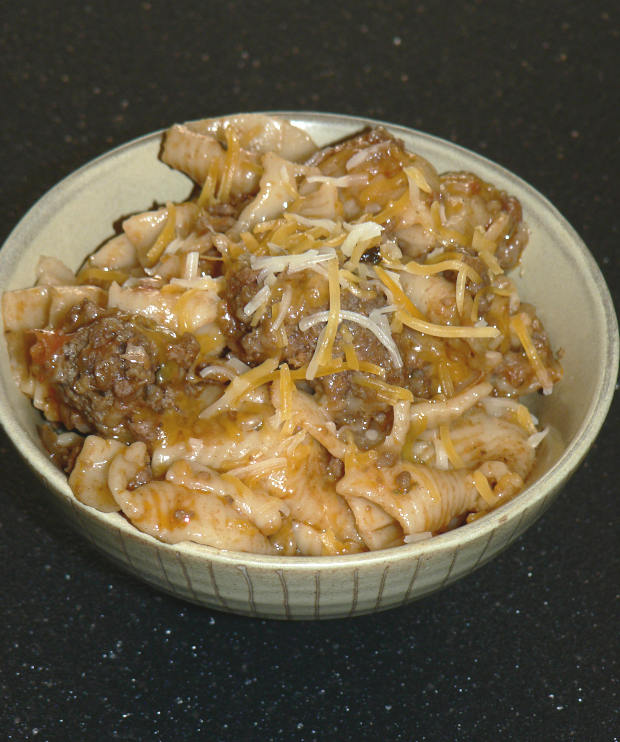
(576, 449)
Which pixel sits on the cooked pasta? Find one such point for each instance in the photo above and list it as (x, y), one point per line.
(320, 352)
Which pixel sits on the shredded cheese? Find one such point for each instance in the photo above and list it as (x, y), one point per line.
(448, 444)
(323, 351)
(360, 233)
(392, 283)
(460, 291)
(429, 269)
(486, 248)
(445, 233)
(446, 331)
(388, 392)
(258, 300)
(364, 154)
(329, 225)
(232, 161)
(241, 385)
(207, 194)
(481, 483)
(286, 395)
(416, 177)
(518, 326)
(343, 181)
(190, 270)
(445, 378)
(351, 356)
(384, 338)
(526, 419)
(282, 308)
(297, 262)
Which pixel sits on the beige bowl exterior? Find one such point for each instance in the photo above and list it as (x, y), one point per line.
(559, 275)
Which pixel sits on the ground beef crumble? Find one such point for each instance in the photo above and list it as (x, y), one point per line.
(116, 373)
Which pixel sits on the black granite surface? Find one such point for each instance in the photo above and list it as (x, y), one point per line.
(526, 648)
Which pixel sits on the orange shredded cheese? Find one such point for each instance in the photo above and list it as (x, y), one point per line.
(389, 392)
(445, 378)
(398, 295)
(481, 483)
(486, 249)
(525, 420)
(460, 291)
(87, 275)
(450, 235)
(446, 331)
(231, 162)
(252, 244)
(351, 356)
(429, 269)
(518, 326)
(207, 193)
(448, 444)
(323, 351)
(417, 177)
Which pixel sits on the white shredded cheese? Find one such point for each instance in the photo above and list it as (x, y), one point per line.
(358, 233)
(285, 305)
(383, 336)
(199, 282)
(173, 246)
(237, 364)
(536, 438)
(215, 370)
(258, 300)
(441, 455)
(191, 265)
(329, 224)
(267, 264)
(412, 538)
(344, 181)
(364, 154)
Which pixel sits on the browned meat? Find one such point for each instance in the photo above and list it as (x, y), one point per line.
(349, 403)
(494, 204)
(254, 344)
(115, 374)
(515, 376)
(332, 159)
(510, 248)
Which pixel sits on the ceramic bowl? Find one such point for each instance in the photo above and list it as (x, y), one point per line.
(558, 274)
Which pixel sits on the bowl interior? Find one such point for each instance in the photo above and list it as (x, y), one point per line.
(558, 275)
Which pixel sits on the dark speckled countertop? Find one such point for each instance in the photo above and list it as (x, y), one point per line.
(527, 647)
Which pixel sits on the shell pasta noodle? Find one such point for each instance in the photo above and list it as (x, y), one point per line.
(320, 352)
